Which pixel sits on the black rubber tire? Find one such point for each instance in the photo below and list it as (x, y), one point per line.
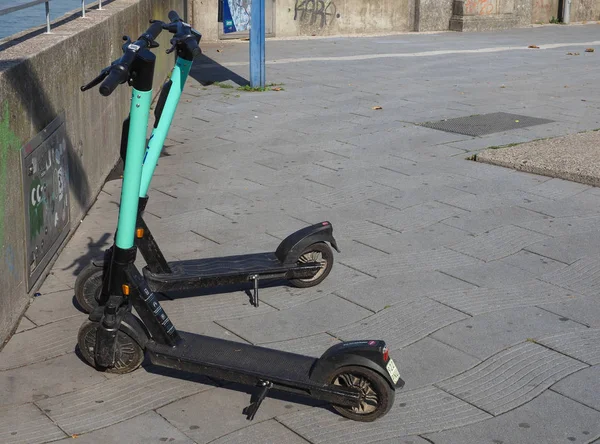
(88, 286)
(385, 393)
(129, 354)
(327, 254)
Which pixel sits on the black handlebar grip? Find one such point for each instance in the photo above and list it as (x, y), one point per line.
(155, 29)
(174, 17)
(115, 77)
(193, 47)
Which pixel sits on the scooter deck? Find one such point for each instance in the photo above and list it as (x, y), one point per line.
(219, 358)
(213, 271)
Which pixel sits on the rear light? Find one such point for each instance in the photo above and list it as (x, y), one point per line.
(386, 354)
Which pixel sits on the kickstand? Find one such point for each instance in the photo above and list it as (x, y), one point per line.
(255, 293)
(257, 399)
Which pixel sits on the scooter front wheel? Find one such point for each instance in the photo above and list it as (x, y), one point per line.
(129, 355)
(88, 286)
(377, 397)
(321, 253)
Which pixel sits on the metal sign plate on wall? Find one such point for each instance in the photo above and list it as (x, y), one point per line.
(46, 196)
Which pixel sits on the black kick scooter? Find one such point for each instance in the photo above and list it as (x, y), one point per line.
(304, 257)
(358, 378)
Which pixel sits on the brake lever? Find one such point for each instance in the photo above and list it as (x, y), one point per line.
(97, 80)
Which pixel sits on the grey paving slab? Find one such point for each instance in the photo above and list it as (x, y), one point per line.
(46, 379)
(582, 277)
(493, 200)
(404, 440)
(283, 296)
(498, 243)
(480, 221)
(40, 344)
(267, 432)
(401, 288)
(511, 378)
(26, 424)
(490, 274)
(568, 249)
(550, 418)
(197, 310)
(582, 204)
(402, 324)
(24, 325)
(53, 307)
(502, 184)
(477, 301)
(418, 216)
(407, 198)
(433, 236)
(146, 428)
(317, 316)
(583, 345)
(562, 226)
(53, 284)
(414, 412)
(117, 399)
(434, 259)
(584, 310)
(222, 408)
(348, 194)
(487, 334)
(558, 189)
(579, 387)
(419, 363)
(533, 263)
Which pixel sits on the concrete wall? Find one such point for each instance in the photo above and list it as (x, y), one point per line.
(544, 10)
(433, 15)
(39, 78)
(319, 17)
(333, 17)
(585, 10)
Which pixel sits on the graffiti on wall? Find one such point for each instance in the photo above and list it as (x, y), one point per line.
(8, 142)
(236, 15)
(45, 179)
(480, 7)
(315, 12)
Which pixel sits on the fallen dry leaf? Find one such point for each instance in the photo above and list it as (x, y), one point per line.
(377, 107)
(218, 50)
(533, 47)
(573, 53)
(589, 50)
(277, 88)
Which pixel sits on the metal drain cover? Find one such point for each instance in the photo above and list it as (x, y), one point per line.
(483, 124)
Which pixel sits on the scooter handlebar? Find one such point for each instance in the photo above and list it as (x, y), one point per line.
(174, 17)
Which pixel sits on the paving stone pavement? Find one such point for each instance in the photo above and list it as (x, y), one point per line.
(483, 280)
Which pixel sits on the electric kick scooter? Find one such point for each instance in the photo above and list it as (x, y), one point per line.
(358, 377)
(304, 257)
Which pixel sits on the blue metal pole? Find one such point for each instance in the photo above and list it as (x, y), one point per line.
(257, 44)
(262, 43)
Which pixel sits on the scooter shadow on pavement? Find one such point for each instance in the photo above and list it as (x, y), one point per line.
(206, 71)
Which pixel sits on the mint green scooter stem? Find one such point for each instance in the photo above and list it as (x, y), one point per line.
(136, 141)
(179, 75)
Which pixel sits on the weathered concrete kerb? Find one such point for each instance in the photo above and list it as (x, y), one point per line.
(574, 157)
(39, 79)
(483, 280)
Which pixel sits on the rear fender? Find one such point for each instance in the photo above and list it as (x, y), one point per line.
(290, 249)
(367, 354)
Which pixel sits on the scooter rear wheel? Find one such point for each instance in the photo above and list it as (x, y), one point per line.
(129, 354)
(88, 286)
(377, 397)
(318, 252)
